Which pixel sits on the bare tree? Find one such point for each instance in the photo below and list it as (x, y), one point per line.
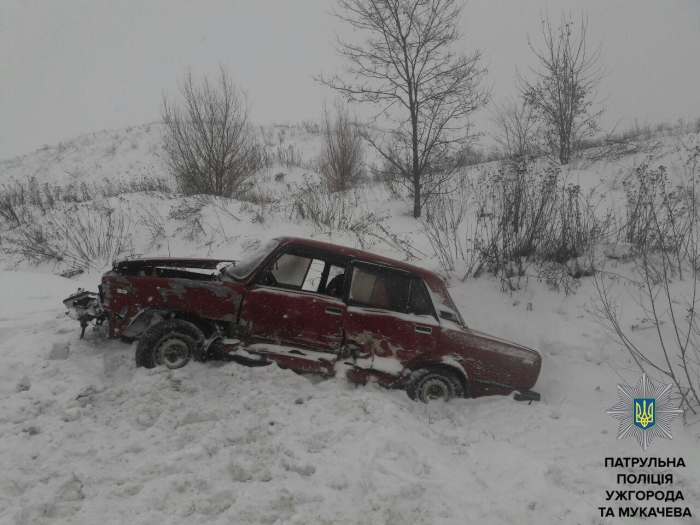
(563, 91)
(210, 146)
(426, 90)
(341, 162)
(515, 126)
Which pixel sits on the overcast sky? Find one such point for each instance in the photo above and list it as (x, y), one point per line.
(69, 67)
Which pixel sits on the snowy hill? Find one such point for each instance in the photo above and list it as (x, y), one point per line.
(126, 154)
(86, 437)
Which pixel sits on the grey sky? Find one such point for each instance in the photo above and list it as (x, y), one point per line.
(69, 67)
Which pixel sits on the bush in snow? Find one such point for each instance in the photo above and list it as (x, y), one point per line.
(336, 211)
(523, 216)
(660, 215)
(289, 157)
(313, 128)
(531, 216)
(442, 225)
(345, 212)
(341, 162)
(210, 146)
(19, 200)
(664, 225)
(84, 237)
(515, 127)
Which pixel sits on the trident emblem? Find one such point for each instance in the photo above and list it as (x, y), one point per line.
(644, 412)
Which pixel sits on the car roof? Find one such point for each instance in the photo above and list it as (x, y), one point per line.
(360, 254)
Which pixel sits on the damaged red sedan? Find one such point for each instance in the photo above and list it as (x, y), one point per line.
(312, 307)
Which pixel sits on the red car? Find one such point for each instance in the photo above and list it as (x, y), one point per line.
(312, 307)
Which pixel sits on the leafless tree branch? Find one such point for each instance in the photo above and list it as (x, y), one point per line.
(426, 90)
(562, 92)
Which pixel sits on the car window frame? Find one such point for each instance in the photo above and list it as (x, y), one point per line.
(411, 276)
(433, 311)
(329, 259)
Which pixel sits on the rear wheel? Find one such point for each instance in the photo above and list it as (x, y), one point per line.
(432, 384)
(171, 343)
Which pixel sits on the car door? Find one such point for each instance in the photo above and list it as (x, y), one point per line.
(294, 309)
(390, 318)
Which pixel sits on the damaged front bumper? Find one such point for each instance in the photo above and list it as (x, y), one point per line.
(85, 307)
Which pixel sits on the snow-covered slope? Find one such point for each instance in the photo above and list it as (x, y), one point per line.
(85, 437)
(126, 154)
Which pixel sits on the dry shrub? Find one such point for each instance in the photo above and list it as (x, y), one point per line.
(345, 212)
(341, 162)
(210, 147)
(442, 225)
(615, 145)
(189, 211)
(515, 127)
(77, 236)
(150, 220)
(524, 217)
(18, 198)
(335, 211)
(664, 225)
(289, 157)
(311, 127)
(660, 214)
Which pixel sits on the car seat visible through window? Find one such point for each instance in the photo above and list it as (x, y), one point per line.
(335, 286)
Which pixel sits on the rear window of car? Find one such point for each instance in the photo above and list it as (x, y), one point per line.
(379, 287)
(243, 268)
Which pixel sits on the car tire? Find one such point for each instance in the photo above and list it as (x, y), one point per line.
(433, 383)
(171, 343)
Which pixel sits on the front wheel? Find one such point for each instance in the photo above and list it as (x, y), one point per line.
(171, 343)
(431, 384)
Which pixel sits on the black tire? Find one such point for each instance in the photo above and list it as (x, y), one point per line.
(432, 383)
(171, 343)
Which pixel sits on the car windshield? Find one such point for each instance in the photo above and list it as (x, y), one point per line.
(250, 262)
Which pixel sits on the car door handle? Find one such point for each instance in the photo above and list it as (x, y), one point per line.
(424, 330)
(334, 311)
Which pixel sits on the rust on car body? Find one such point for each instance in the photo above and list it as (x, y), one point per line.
(317, 307)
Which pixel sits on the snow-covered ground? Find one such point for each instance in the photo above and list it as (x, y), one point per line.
(85, 437)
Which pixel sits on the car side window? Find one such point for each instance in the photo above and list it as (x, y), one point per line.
(306, 272)
(418, 300)
(335, 281)
(289, 270)
(379, 287)
(314, 276)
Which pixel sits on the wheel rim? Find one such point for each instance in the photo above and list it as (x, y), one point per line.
(435, 388)
(173, 352)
